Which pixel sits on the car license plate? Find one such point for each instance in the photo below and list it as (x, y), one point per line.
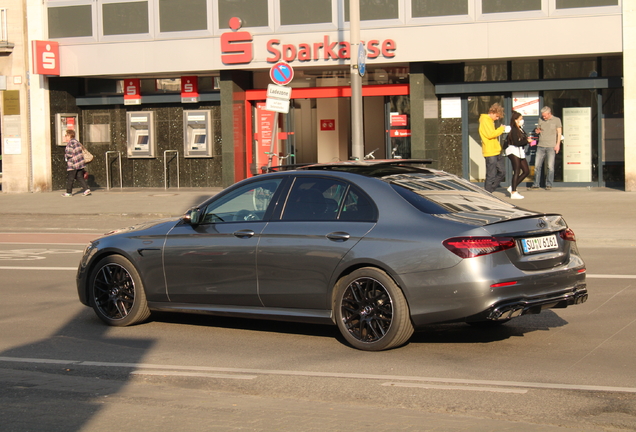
(538, 244)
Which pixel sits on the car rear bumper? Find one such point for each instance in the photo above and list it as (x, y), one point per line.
(510, 309)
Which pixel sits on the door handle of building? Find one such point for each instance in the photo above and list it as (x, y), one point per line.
(338, 236)
(246, 233)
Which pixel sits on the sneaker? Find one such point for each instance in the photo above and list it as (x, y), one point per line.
(516, 195)
(66, 195)
(534, 187)
(548, 187)
(87, 192)
(509, 189)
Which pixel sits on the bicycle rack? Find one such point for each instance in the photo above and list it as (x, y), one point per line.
(165, 168)
(108, 160)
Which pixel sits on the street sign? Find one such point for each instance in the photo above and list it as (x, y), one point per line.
(278, 92)
(277, 105)
(281, 73)
(278, 98)
(362, 59)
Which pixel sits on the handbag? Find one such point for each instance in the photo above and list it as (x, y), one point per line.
(88, 157)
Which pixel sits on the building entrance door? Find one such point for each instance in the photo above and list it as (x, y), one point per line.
(317, 128)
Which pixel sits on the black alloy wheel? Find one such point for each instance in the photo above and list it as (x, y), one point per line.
(116, 292)
(371, 311)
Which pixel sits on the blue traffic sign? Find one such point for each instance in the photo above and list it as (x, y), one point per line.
(362, 59)
(281, 73)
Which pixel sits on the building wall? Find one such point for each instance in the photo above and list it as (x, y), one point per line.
(629, 83)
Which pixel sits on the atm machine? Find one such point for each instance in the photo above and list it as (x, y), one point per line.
(141, 134)
(198, 133)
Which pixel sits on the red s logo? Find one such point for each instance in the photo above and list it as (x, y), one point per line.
(236, 48)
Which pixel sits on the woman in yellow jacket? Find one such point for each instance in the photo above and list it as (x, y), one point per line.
(491, 147)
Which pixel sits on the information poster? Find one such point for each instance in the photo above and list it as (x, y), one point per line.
(577, 144)
(527, 104)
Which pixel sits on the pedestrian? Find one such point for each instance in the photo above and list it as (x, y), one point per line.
(75, 164)
(549, 129)
(491, 147)
(516, 141)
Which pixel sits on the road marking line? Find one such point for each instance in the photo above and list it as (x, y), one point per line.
(449, 387)
(141, 366)
(608, 276)
(38, 268)
(193, 374)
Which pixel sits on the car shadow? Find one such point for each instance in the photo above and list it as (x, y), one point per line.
(465, 333)
(440, 333)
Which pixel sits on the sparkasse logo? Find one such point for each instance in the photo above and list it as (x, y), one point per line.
(237, 47)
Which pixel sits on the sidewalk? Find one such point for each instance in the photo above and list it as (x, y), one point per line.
(598, 216)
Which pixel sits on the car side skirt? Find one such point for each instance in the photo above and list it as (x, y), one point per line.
(311, 316)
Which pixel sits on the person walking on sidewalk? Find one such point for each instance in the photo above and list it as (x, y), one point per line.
(75, 164)
(550, 129)
(516, 141)
(491, 147)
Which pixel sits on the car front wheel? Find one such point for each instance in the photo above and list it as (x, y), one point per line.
(117, 293)
(371, 311)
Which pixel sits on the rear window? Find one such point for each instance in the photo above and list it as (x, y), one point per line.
(441, 194)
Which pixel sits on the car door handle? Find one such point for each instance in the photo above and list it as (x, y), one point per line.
(338, 236)
(246, 233)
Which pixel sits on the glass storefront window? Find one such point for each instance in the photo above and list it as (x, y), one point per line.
(496, 6)
(338, 77)
(582, 153)
(486, 72)
(567, 4)
(253, 13)
(612, 66)
(613, 136)
(125, 18)
(70, 21)
(182, 15)
(375, 9)
(294, 12)
(434, 8)
(525, 70)
(563, 69)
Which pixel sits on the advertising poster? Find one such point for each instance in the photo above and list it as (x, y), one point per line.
(526, 103)
(577, 144)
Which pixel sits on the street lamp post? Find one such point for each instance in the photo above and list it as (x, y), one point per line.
(357, 144)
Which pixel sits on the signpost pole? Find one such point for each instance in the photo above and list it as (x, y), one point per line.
(357, 144)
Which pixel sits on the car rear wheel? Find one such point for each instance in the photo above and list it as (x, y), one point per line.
(371, 311)
(117, 293)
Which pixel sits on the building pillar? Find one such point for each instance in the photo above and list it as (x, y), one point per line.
(629, 87)
(233, 127)
(424, 113)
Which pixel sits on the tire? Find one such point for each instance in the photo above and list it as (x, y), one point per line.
(116, 292)
(371, 311)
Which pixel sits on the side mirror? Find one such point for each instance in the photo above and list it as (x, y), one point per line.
(192, 216)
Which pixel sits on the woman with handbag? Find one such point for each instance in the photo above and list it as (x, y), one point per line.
(516, 141)
(75, 164)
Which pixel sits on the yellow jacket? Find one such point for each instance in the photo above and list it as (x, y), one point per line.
(489, 143)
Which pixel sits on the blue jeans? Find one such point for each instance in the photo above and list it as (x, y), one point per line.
(548, 154)
(495, 172)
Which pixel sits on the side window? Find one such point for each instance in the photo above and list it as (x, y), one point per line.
(358, 207)
(248, 203)
(314, 199)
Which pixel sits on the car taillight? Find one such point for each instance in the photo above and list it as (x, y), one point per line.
(471, 247)
(568, 235)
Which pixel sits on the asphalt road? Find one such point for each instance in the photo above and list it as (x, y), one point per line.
(61, 369)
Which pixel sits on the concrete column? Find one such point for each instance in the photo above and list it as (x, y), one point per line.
(424, 113)
(233, 117)
(629, 86)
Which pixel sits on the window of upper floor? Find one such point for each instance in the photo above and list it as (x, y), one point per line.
(116, 20)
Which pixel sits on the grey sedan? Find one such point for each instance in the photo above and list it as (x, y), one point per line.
(378, 248)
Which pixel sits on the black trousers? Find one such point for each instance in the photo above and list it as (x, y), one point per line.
(73, 175)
